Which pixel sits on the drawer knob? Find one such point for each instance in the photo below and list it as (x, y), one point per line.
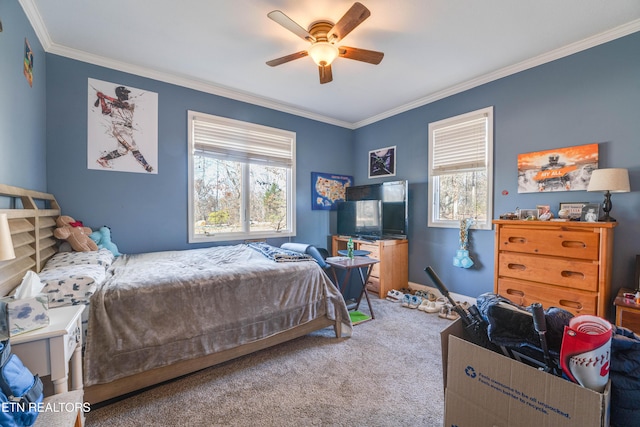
(516, 295)
(573, 244)
(517, 240)
(571, 304)
(572, 274)
(515, 292)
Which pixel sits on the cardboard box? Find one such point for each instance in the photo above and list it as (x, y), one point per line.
(23, 315)
(485, 388)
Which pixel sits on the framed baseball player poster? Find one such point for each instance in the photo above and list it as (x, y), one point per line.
(122, 128)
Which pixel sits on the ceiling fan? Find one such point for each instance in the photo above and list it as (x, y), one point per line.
(323, 36)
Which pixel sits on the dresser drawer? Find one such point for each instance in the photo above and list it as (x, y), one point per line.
(526, 293)
(557, 271)
(375, 254)
(374, 249)
(581, 244)
(72, 339)
(375, 270)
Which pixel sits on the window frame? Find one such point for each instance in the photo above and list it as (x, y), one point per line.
(434, 188)
(246, 234)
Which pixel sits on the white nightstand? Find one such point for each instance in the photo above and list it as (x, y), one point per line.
(47, 351)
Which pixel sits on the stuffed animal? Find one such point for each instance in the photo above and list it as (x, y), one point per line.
(102, 237)
(77, 236)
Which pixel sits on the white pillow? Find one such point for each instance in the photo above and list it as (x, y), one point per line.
(103, 257)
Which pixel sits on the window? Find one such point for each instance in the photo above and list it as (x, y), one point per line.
(461, 170)
(241, 180)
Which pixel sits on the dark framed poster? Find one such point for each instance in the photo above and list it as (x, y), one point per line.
(382, 162)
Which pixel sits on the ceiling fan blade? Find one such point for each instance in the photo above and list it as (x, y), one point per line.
(291, 25)
(325, 74)
(364, 55)
(348, 22)
(287, 58)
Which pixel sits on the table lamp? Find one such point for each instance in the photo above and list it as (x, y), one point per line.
(6, 244)
(613, 180)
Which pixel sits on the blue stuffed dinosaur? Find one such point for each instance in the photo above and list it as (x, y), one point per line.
(102, 237)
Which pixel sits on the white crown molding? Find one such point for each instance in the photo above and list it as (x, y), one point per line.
(570, 49)
(191, 84)
(33, 15)
(43, 35)
(49, 46)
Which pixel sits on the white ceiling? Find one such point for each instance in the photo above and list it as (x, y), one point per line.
(433, 48)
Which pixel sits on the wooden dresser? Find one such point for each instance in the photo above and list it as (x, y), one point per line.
(558, 264)
(393, 270)
(627, 311)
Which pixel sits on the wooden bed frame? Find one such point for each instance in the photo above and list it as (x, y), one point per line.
(32, 220)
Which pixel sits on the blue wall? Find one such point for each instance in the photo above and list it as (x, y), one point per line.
(591, 96)
(22, 108)
(148, 212)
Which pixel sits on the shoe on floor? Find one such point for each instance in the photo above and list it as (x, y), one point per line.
(415, 301)
(432, 306)
(423, 305)
(406, 300)
(423, 294)
(453, 315)
(447, 312)
(394, 296)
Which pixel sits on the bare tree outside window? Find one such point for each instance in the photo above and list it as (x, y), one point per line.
(241, 178)
(461, 170)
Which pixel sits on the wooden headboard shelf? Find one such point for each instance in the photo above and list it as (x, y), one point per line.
(32, 219)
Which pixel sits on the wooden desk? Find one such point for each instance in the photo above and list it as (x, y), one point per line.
(359, 263)
(627, 311)
(392, 272)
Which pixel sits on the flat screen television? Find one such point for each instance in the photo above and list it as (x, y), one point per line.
(362, 218)
(394, 197)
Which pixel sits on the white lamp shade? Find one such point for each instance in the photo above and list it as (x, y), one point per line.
(323, 53)
(614, 180)
(6, 243)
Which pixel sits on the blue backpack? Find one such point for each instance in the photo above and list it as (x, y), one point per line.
(21, 392)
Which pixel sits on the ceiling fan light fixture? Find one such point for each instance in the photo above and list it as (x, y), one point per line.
(323, 53)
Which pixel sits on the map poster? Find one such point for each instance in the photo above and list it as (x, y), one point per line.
(562, 169)
(328, 189)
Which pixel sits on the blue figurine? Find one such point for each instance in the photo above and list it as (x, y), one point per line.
(462, 258)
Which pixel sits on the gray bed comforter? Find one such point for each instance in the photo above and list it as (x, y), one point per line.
(155, 309)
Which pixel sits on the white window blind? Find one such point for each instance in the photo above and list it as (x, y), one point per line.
(461, 170)
(240, 141)
(460, 147)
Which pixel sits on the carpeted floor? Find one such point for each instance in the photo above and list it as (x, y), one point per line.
(388, 373)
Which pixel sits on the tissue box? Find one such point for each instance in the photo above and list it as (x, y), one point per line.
(23, 315)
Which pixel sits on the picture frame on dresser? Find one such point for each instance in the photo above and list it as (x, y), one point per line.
(574, 209)
(528, 213)
(590, 212)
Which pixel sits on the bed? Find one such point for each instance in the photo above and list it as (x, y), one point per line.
(156, 316)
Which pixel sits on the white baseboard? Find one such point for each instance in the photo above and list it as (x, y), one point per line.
(456, 297)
